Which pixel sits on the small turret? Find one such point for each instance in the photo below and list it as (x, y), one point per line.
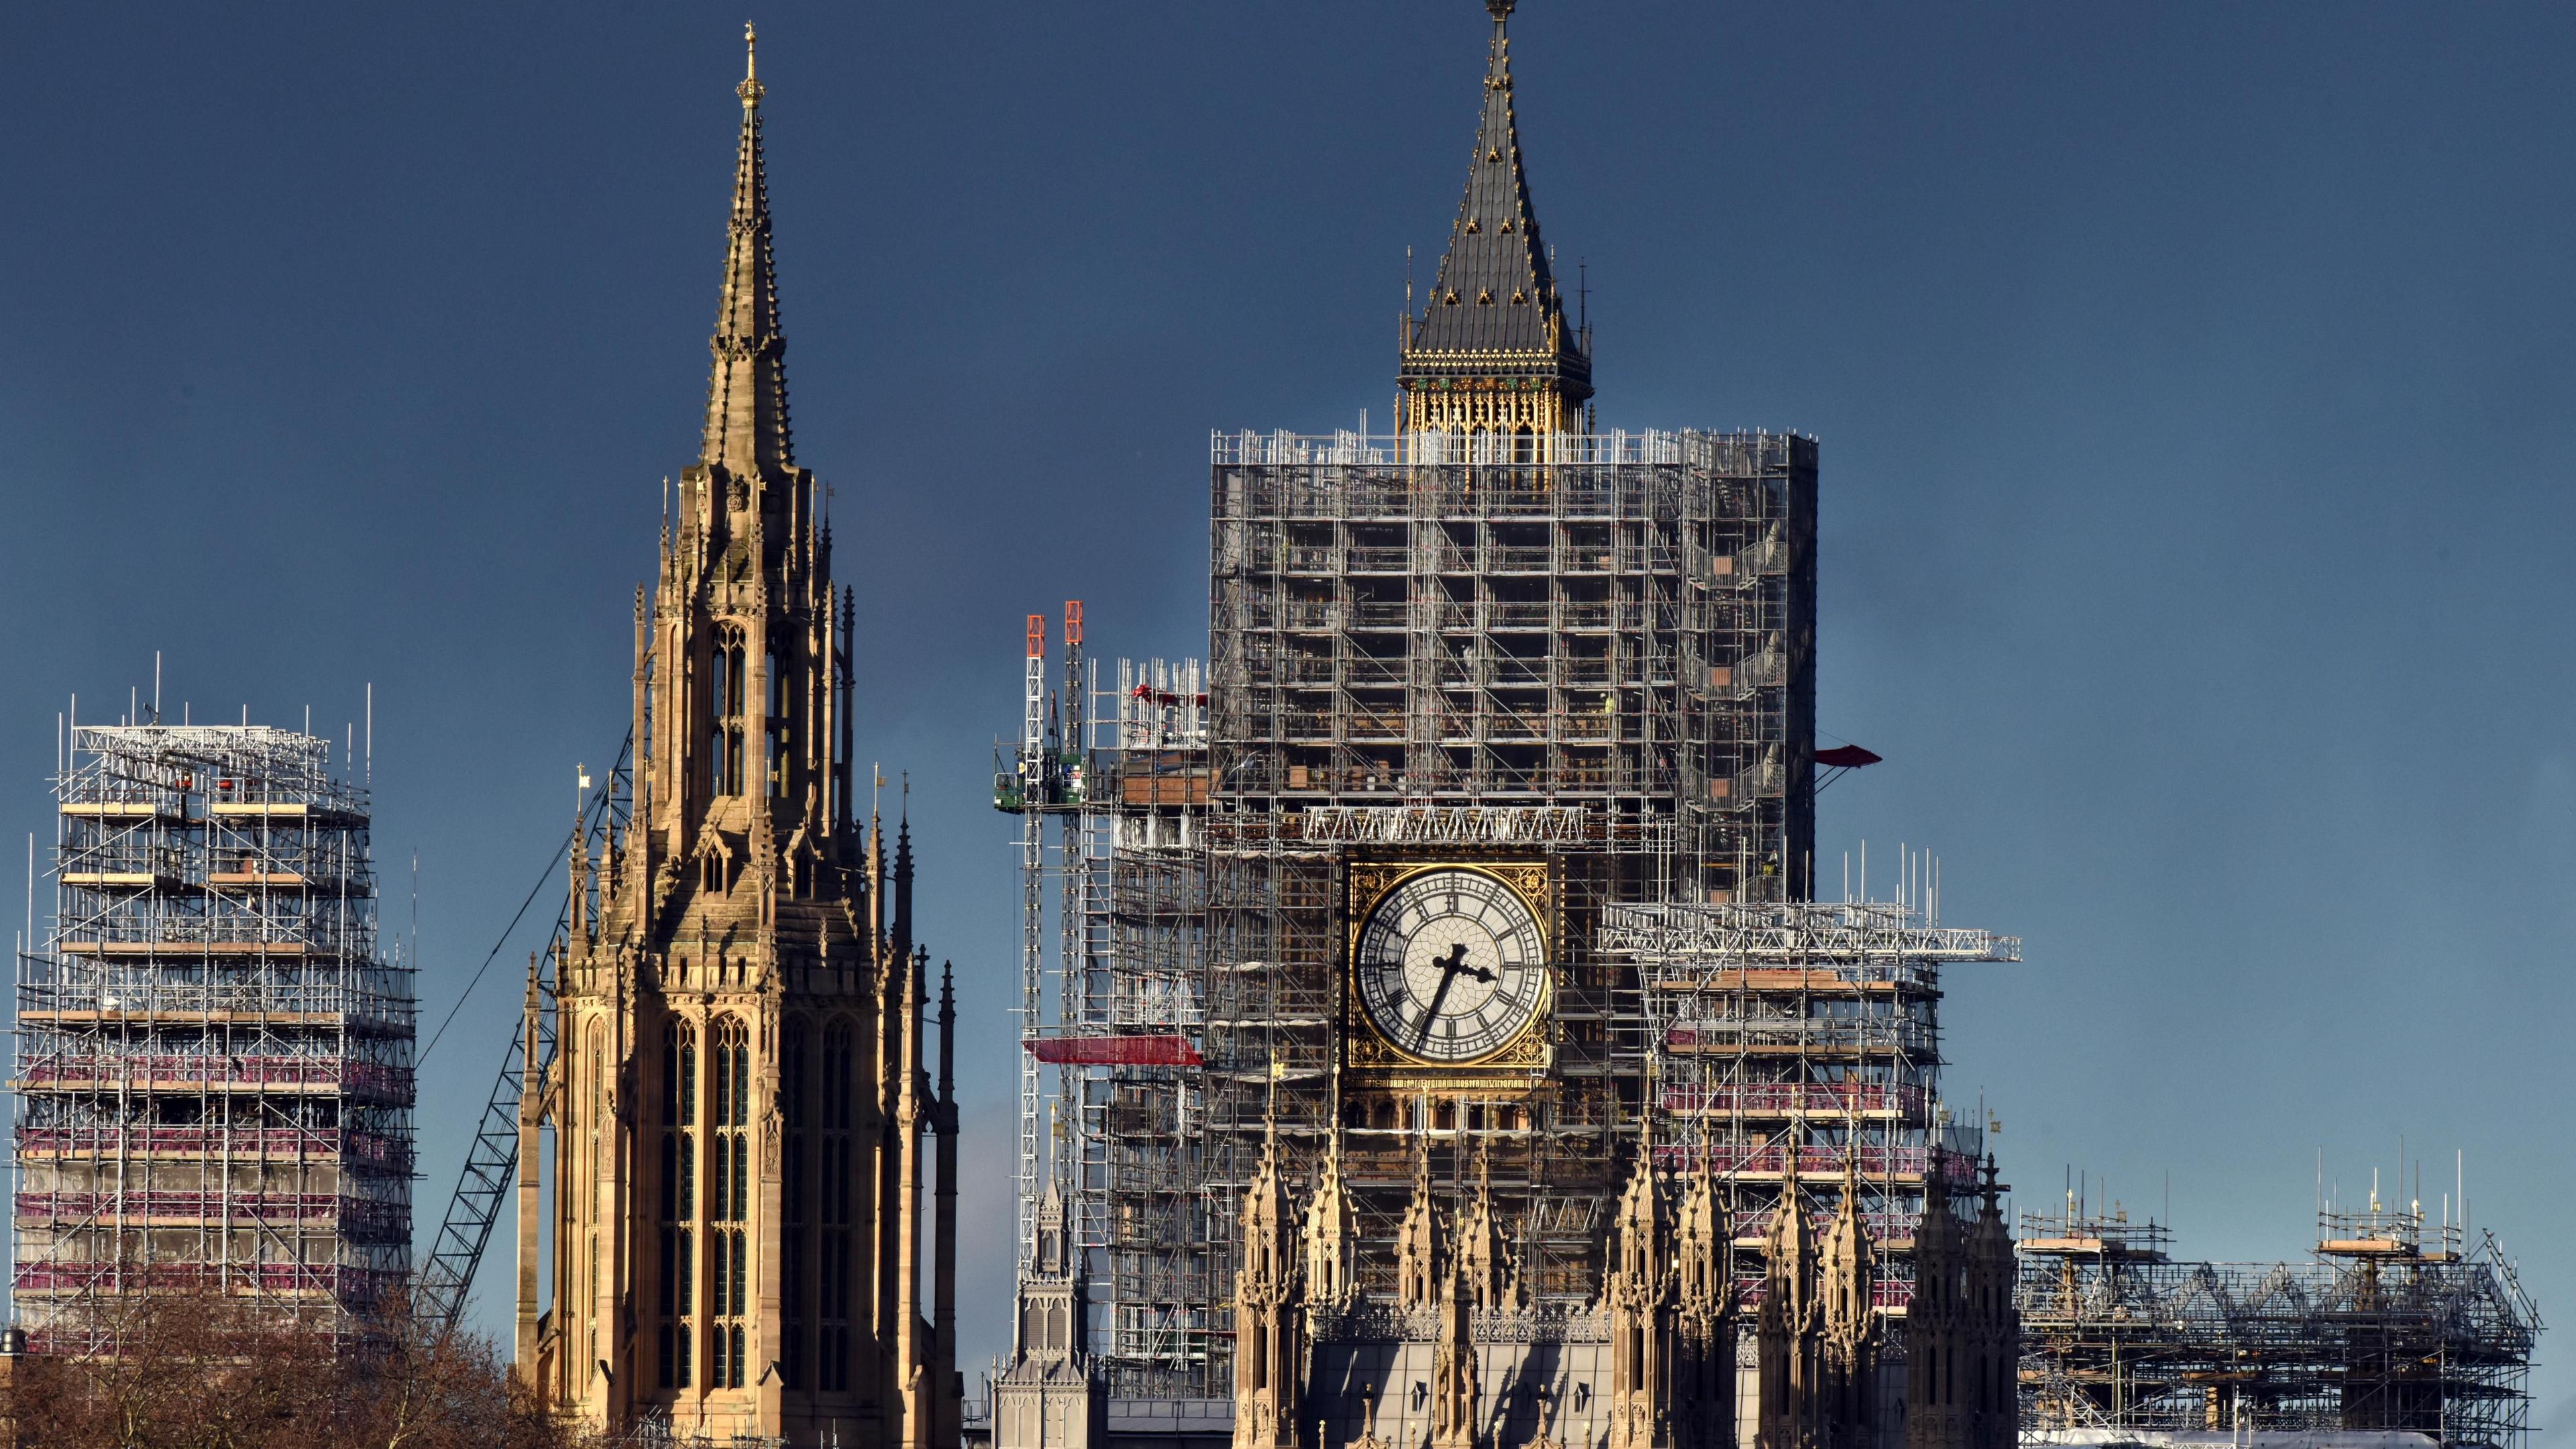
(1331, 1238)
(1639, 1298)
(1418, 1260)
(1269, 1336)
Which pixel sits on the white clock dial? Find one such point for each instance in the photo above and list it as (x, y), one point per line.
(1451, 965)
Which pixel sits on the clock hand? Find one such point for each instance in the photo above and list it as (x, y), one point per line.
(1458, 962)
(1448, 973)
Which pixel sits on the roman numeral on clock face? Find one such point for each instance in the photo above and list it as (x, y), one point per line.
(1450, 965)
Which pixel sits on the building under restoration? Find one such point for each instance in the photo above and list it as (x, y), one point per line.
(2395, 1329)
(1433, 1034)
(214, 1070)
(1468, 890)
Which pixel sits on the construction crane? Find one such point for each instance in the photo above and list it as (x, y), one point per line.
(439, 1290)
(1042, 777)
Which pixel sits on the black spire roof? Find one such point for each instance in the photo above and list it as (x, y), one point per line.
(1496, 293)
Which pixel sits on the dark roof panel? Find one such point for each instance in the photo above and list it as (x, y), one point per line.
(1495, 292)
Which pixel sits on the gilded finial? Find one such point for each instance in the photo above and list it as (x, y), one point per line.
(750, 90)
(1501, 10)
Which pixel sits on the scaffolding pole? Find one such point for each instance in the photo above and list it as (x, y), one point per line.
(215, 1050)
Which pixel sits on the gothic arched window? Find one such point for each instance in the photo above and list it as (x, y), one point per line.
(729, 1200)
(792, 1240)
(836, 1172)
(676, 1296)
(725, 695)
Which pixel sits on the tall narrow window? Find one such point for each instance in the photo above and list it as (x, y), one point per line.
(729, 1192)
(719, 709)
(728, 704)
(792, 1252)
(775, 757)
(676, 1294)
(833, 1289)
(741, 700)
(594, 1048)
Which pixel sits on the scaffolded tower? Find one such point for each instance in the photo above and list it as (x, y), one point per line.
(1601, 661)
(215, 1058)
(1123, 767)
(2394, 1324)
(1495, 637)
(1804, 1038)
(1427, 640)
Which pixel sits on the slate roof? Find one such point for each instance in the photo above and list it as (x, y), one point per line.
(1496, 292)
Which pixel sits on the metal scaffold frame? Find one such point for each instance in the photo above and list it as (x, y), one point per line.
(1601, 661)
(1594, 656)
(214, 1051)
(1123, 768)
(1806, 1034)
(2394, 1324)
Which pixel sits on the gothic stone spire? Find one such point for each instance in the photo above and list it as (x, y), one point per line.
(695, 993)
(746, 431)
(1418, 1260)
(1638, 1295)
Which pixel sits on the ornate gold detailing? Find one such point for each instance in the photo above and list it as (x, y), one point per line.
(1522, 1060)
(751, 89)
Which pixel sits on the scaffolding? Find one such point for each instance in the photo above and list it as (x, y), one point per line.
(1122, 768)
(1805, 1036)
(1598, 667)
(2394, 1325)
(214, 1053)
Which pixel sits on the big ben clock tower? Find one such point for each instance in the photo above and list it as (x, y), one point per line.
(1359, 1057)
(1473, 683)
(1448, 1021)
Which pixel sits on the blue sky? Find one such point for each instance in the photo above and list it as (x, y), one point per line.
(2192, 383)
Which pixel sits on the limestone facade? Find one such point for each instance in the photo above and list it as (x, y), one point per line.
(744, 1112)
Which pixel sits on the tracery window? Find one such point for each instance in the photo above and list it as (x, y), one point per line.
(729, 1203)
(792, 1254)
(676, 1293)
(832, 1281)
(781, 701)
(726, 681)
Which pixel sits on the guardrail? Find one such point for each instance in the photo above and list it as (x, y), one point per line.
(349, 1146)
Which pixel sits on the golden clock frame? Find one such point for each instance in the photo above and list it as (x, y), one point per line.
(1516, 1067)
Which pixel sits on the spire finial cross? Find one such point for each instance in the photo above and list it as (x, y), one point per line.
(751, 89)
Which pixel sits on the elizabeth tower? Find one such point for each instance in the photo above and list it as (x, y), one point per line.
(745, 1117)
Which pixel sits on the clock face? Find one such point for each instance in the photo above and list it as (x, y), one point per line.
(1451, 965)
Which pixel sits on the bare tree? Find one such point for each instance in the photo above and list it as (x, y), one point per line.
(193, 1370)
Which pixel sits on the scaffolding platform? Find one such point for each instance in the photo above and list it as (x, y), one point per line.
(214, 1070)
